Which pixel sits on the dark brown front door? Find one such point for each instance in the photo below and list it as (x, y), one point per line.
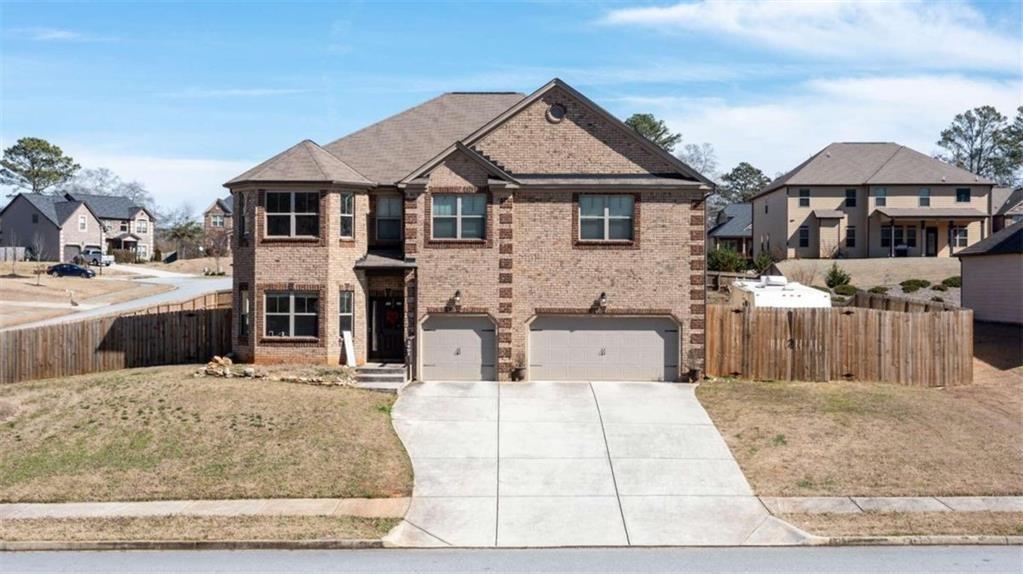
(931, 242)
(387, 319)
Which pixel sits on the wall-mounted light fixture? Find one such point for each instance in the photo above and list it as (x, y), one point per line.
(602, 301)
(458, 297)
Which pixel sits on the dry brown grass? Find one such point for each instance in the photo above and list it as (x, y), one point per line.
(159, 433)
(196, 528)
(910, 523)
(94, 291)
(848, 439)
(192, 265)
(867, 273)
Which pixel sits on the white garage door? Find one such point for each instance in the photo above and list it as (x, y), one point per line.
(70, 252)
(458, 349)
(563, 348)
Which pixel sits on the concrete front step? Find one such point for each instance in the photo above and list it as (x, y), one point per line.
(380, 378)
(400, 371)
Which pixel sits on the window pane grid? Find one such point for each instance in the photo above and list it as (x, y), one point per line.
(459, 216)
(292, 213)
(292, 315)
(606, 217)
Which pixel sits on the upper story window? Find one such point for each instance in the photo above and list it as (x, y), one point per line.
(388, 217)
(142, 225)
(292, 214)
(804, 198)
(459, 216)
(35, 218)
(125, 226)
(880, 196)
(290, 314)
(765, 207)
(606, 217)
(804, 236)
(217, 220)
(850, 198)
(347, 215)
(962, 195)
(925, 197)
(243, 229)
(82, 225)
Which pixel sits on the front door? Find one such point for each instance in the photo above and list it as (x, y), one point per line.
(386, 325)
(931, 242)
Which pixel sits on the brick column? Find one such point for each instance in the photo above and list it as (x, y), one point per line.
(697, 286)
(411, 223)
(505, 280)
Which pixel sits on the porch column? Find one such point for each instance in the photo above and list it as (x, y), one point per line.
(891, 239)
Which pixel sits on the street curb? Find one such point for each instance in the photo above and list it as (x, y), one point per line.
(935, 540)
(46, 546)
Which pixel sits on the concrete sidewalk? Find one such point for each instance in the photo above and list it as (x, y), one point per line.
(861, 504)
(362, 507)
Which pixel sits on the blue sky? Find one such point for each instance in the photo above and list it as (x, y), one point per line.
(183, 96)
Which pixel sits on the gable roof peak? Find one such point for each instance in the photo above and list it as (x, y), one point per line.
(303, 162)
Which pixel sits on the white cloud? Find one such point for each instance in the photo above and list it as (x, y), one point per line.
(172, 181)
(941, 35)
(39, 34)
(217, 93)
(775, 133)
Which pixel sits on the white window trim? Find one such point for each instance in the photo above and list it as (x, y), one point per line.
(242, 227)
(960, 233)
(921, 196)
(292, 213)
(607, 218)
(801, 197)
(244, 313)
(83, 224)
(142, 226)
(217, 220)
(880, 197)
(458, 217)
(348, 216)
(291, 314)
(342, 314)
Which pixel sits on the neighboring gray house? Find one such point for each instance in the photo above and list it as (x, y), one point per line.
(992, 272)
(127, 224)
(733, 229)
(53, 227)
(1006, 207)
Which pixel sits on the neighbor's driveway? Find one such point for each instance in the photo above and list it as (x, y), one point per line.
(572, 464)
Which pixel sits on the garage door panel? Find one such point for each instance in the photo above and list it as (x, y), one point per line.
(603, 348)
(458, 349)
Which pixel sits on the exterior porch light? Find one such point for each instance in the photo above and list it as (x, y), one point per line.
(602, 301)
(458, 297)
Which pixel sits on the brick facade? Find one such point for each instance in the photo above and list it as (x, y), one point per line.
(529, 262)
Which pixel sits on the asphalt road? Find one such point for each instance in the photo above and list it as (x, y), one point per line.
(912, 560)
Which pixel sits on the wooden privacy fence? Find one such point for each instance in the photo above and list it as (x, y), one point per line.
(888, 303)
(918, 349)
(144, 339)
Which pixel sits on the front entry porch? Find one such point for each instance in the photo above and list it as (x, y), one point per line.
(924, 232)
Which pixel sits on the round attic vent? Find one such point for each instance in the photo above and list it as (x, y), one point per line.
(555, 113)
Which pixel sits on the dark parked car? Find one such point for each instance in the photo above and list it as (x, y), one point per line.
(71, 270)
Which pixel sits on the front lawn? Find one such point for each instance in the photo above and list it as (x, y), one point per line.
(159, 433)
(910, 523)
(869, 439)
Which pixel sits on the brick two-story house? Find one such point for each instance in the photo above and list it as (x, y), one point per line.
(217, 224)
(473, 235)
(866, 199)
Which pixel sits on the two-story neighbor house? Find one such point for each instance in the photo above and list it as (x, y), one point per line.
(127, 225)
(871, 200)
(53, 227)
(474, 234)
(217, 217)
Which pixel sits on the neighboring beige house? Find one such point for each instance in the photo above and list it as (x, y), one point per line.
(473, 235)
(992, 273)
(51, 226)
(127, 225)
(216, 220)
(871, 200)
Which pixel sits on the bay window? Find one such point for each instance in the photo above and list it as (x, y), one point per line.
(292, 214)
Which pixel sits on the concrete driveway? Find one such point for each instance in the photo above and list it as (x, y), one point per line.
(572, 464)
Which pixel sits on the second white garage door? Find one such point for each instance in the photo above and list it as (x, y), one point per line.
(458, 349)
(575, 348)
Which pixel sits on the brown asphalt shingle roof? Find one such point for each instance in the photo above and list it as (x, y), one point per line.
(304, 161)
(873, 163)
(389, 150)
